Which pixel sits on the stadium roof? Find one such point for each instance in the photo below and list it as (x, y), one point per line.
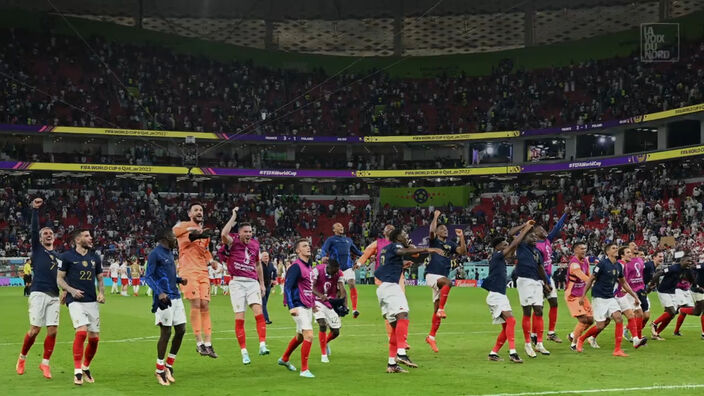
(375, 27)
(302, 9)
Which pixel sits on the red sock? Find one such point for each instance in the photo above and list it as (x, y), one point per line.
(305, 352)
(170, 360)
(401, 332)
(661, 318)
(91, 350)
(538, 326)
(643, 322)
(639, 326)
(353, 297)
(323, 338)
(28, 342)
(632, 327)
(78, 342)
(332, 336)
(618, 334)
(552, 315)
(664, 323)
(444, 292)
(240, 334)
(702, 319)
(511, 332)
(292, 345)
(687, 310)
(261, 327)
(501, 339)
(393, 345)
(525, 323)
(592, 332)
(435, 325)
(49, 343)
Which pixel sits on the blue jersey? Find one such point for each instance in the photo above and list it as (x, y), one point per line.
(440, 263)
(648, 271)
(698, 283)
(390, 264)
(44, 263)
(338, 247)
(81, 273)
(160, 275)
(497, 279)
(670, 279)
(529, 259)
(606, 275)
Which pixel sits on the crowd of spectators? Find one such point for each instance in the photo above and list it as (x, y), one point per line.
(59, 80)
(654, 205)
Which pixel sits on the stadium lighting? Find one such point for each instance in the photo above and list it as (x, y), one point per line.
(602, 140)
(490, 150)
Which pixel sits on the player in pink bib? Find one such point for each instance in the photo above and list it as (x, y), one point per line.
(328, 285)
(633, 274)
(247, 284)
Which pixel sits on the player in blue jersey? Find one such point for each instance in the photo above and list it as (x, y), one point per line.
(79, 270)
(167, 304)
(437, 272)
(498, 303)
(666, 293)
(394, 306)
(532, 284)
(338, 247)
(607, 274)
(44, 301)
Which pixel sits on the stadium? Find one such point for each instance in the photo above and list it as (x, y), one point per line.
(443, 196)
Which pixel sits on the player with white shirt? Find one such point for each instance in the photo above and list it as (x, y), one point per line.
(114, 276)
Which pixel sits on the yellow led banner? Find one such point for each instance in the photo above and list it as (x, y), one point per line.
(489, 170)
(674, 112)
(134, 132)
(172, 170)
(677, 153)
(442, 138)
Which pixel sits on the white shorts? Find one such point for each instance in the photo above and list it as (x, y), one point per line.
(85, 314)
(697, 297)
(530, 292)
(304, 319)
(43, 309)
(626, 303)
(553, 293)
(432, 281)
(667, 300)
(348, 274)
(603, 308)
(497, 303)
(243, 293)
(683, 298)
(171, 316)
(331, 317)
(392, 300)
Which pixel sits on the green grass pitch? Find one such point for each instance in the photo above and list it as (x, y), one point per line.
(124, 364)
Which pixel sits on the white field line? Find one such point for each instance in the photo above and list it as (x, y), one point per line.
(582, 391)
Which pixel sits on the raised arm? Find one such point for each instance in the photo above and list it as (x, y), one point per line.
(518, 239)
(462, 248)
(556, 229)
(225, 233)
(434, 224)
(369, 251)
(36, 204)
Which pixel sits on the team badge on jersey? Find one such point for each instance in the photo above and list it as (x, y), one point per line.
(85, 263)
